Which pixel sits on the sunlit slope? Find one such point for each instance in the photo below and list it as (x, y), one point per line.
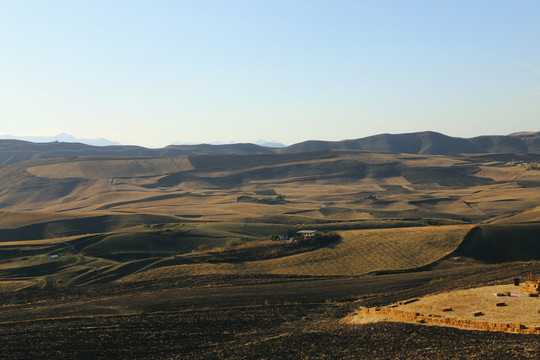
(360, 252)
(323, 185)
(171, 250)
(106, 169)
(527, 216)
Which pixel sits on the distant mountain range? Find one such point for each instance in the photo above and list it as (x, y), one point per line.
(428, 143)
(67, 138)
(62, 138)
(261, 142)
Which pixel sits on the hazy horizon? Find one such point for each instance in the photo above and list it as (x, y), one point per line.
(156, 73)
(64, 137)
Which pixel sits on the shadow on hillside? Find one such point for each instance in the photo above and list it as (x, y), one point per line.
(502, 243)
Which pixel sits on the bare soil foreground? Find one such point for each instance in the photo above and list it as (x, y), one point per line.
(250, 317)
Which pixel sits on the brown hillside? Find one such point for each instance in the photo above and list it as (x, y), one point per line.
(331, 185)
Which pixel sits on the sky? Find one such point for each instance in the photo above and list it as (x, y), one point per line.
(156, 72)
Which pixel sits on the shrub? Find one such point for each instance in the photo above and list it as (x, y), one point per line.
(233, 242)
(330, 236)
(272, 200)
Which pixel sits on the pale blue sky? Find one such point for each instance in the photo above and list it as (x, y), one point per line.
(155, 72)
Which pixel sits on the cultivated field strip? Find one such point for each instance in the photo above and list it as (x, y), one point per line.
(110, 168)
(359, 252)
(327, 185)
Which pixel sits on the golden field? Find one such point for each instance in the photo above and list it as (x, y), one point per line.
(359, 252)
(131, 209)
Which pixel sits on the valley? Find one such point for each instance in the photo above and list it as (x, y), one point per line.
(134, 245)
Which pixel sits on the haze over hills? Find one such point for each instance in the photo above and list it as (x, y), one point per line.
(261, 142)
(63, 137)
(424, 143)
(67, 138)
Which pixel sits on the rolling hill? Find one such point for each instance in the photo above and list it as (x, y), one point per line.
(332, 185)
(77, 214)
(428, 142)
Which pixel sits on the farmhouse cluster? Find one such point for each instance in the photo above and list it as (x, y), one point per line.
(299, 235)
(533, 165)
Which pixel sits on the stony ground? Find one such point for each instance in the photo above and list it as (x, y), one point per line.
(247, 318)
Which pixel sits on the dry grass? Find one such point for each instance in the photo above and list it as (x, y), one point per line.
(532, 215)
(466, 302)
(106, 169)
(311, 183)
(53, 241)
(501, 173)
(360, 252)
(335, 186)
(463, 304)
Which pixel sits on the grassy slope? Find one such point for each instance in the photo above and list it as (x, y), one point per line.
(172, 239)
(84, 194)
(106, 169)
(116, 251)
(320, 186)
(527, 216)
(112, 256)
(360, 252)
